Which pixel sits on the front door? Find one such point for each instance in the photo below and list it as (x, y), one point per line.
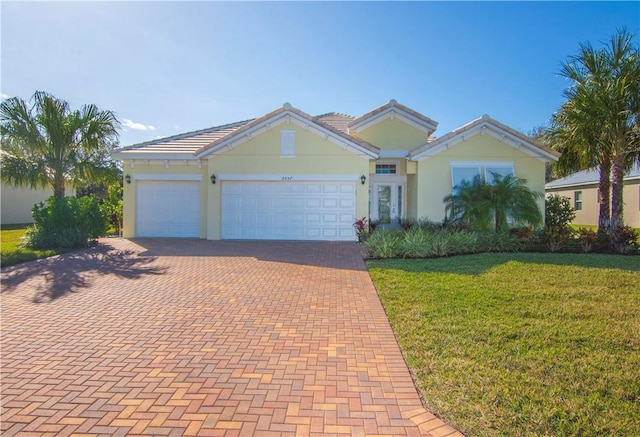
(387, 202)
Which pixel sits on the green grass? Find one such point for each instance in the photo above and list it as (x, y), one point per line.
(521, 344)
(10, 251)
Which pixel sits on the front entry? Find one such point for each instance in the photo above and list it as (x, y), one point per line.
(387, 202)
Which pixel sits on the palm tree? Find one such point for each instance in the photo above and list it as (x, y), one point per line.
(48, 144)
(598, 124)
(507, 199)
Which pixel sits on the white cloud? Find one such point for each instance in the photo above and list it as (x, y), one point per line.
(3, 96)
(136, 126)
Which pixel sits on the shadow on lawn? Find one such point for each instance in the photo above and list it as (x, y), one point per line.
(477, 264)
(68, 273)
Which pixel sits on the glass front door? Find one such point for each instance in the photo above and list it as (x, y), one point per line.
(384, 203)
(387, 202)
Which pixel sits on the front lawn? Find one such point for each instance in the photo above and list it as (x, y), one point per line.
(11, 253)
(521, 344)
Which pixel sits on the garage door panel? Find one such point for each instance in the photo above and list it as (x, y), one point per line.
(308, 210)
(167, 209)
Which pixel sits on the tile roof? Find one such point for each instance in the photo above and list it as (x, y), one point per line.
(193, 142)
(393, 104)
(257, 122)
(336, 120)
(187, 143)
(587, 177)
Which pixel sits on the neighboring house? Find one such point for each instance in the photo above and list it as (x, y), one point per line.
(582, 189)
(17, 203)
(290, 176)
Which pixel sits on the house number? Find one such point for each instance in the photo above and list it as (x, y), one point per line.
(287, 178)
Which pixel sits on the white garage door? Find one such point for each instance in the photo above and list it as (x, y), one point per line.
(270, 210)
(168, 209)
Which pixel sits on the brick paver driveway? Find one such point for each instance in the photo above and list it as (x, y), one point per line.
(189, 337)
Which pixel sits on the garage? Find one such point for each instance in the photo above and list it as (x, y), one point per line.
(167, 208)
(288, 210)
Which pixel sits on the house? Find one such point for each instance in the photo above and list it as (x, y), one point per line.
(17, 203)
(582, 189)
(291, 176)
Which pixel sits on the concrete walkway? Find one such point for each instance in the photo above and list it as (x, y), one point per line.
(189, 337)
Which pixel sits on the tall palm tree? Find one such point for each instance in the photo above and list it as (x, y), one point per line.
(597, 125)
(507, 199)
(48, 144)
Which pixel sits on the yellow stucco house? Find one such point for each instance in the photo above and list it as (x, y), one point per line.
(582, 190)
(291, 176)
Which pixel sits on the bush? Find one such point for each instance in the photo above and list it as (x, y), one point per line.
(384, 244)
(422, 243)
(625, 240)
(66, 222)
(557, 232)
(587, 239)
(499, 242)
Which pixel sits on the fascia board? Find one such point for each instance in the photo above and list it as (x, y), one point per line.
(494, 131)
(286, 117)
(153, 156)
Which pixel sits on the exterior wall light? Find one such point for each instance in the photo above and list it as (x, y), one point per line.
(213, 179)
(363, 179)
(128, 179)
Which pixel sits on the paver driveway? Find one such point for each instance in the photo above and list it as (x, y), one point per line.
(189, 337)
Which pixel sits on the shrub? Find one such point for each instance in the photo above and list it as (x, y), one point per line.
(499, 242)
(626, 240)
(384, 244)
(558, 211)
(587, 239)
(66, 222)
(362, 228)
(557, 231)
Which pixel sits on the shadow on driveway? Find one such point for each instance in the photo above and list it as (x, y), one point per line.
(68, 273)
(331, 254)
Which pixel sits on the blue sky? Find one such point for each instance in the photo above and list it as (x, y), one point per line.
(166, 67)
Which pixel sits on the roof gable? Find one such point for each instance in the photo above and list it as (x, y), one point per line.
(485, 125)
(393, 110)
(288, 114)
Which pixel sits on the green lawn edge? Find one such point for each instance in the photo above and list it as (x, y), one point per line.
(520, 343)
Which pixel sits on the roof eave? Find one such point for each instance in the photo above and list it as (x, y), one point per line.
(289, 114)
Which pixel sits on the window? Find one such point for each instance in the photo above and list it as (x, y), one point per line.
(577, 200)
(385, 169)
(464, 173)
(501, 170)
(287, 143)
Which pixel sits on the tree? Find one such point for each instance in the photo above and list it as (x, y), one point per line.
(481, 205)
(49, 144)
(598, 124)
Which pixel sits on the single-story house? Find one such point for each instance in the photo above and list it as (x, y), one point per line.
(582, 189)
(17, 203)
(288, 175)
